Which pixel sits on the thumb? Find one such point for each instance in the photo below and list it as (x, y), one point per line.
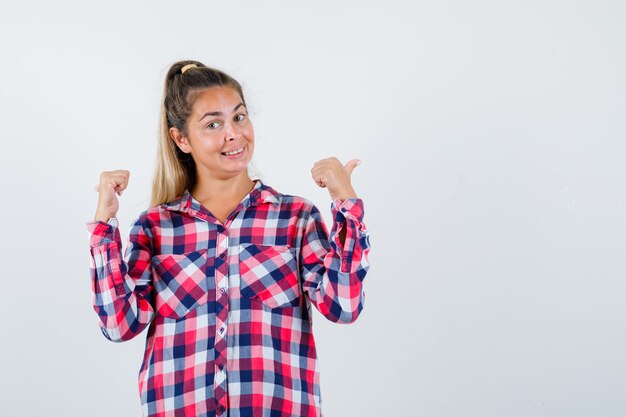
(351, 164)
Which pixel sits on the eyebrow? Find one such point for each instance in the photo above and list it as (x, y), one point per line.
(218, 113)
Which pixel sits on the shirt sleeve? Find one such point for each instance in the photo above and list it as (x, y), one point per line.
(332, 273)
(122, 286)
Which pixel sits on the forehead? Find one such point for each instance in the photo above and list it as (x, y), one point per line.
(219, 98)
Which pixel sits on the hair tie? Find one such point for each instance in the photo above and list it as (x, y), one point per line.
(186, 67)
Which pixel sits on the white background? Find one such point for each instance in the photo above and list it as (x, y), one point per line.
(493, 176)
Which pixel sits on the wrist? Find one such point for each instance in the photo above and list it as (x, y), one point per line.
(344, 197)
(103, 216)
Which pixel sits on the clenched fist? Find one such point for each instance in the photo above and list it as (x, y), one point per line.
(331, 174)
(111, 182)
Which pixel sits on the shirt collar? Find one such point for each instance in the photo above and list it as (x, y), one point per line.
(261, 193)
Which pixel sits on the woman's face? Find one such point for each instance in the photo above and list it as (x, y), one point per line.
(218, 124)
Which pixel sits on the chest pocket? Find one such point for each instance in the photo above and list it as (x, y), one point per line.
(269, 274)
(182, 282)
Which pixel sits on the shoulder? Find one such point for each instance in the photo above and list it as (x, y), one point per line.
(151, 216)
(294, 202)
(301, 208)
(291, 205)
(142, 221)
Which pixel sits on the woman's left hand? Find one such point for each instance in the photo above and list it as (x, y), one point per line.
(330, 173)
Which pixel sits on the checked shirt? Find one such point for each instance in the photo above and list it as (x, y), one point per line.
(228, 306)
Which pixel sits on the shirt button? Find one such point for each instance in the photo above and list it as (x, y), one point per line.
(221, 366)
(223, 290)
(220, 408)
(222, 255)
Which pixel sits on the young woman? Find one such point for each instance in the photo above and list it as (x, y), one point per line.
(223, 269)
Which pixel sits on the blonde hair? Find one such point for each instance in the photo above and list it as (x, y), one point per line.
(175, 170)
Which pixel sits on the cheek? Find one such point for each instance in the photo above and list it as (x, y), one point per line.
(249, 132)
(209, 143)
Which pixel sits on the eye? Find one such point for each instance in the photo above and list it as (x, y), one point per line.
(211, 124)
(243, 116)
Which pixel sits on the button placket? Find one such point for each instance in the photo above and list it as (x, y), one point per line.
(222, 284)
(221, 279)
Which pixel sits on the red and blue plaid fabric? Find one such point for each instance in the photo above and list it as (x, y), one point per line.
(228, 306)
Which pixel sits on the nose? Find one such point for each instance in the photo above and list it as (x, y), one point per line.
(230, 131)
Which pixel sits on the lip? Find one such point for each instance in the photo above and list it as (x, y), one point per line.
(236, 156)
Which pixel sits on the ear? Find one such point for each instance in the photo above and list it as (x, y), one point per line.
(181, 141)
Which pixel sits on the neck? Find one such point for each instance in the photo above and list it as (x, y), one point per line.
(222, 189)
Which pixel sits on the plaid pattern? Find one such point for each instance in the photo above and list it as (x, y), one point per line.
(228, 306)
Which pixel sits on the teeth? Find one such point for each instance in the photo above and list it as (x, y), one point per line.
(233, 152)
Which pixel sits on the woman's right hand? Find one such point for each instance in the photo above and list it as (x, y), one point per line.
(111, 182)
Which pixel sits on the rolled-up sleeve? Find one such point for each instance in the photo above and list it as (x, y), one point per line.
(122, 286)
(333, 272)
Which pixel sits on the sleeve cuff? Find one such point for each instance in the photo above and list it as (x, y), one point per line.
(349, 208)
(100, 233)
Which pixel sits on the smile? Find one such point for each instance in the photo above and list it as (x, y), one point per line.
(235, 152)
